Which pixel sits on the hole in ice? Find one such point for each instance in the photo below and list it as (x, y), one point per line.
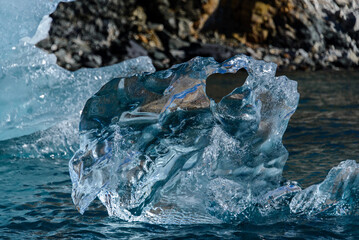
(219, 85)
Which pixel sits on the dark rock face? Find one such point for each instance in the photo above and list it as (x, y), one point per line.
(91, 33)
(311, 33)
(295, 34)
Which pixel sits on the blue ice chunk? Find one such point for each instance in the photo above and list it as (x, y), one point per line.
(36, 93)
(156, 148)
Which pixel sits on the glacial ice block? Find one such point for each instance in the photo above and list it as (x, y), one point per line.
(156, 148)
(36, 93)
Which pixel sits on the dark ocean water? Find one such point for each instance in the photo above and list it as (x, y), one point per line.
(35, 189)
(325, 128)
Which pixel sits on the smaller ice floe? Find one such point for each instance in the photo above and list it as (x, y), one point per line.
(337, 195)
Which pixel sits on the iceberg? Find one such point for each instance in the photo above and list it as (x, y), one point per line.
(35, 93)
(156, 148)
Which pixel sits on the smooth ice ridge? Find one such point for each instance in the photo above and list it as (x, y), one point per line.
(35, 93)
(156, 148)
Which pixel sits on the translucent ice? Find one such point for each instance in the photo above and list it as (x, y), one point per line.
(35, 93)
(156, 148)
(20, 19)
(337, 195)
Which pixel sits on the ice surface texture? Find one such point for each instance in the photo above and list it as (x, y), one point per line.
(36, 93)
(156, 148)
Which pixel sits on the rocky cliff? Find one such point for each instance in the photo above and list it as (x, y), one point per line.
(296, 34)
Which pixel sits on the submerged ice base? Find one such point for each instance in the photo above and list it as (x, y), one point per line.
(155, 148)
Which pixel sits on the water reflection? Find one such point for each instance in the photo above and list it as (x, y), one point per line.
(325, 128)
